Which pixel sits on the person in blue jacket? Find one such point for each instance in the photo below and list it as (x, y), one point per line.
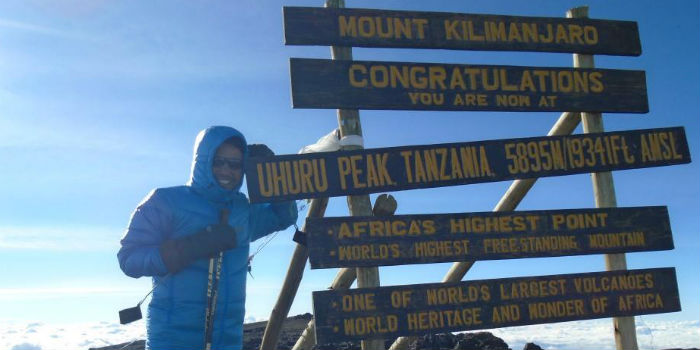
(175, 231)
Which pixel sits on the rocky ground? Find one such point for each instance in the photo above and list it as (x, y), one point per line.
(293, 326)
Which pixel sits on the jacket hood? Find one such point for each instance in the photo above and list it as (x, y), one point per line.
(202, 178)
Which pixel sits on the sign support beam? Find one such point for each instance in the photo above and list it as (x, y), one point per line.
(349, 124)
(565, 125)
(295, 272)
(604, 192)
(383, 206)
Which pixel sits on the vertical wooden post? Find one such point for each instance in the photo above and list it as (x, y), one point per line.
(604, 192)
(343, 280)
(295, 272)
(383, 206)
(349, 124)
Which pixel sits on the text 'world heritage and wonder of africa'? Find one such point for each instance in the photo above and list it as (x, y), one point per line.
(434, 308)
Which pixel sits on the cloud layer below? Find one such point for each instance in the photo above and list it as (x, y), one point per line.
(580, 335)
(598, 335)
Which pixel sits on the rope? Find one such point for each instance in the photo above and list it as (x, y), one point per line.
(651, 332)
(269, 238)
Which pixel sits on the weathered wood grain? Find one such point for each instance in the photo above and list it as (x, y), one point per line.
(481, 304)
(366, 171)
(318, 83)
(457, 31)
(433, 238)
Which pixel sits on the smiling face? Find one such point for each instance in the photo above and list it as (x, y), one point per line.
(228, 166)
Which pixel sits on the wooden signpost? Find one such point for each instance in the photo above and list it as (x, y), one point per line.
(401, 168)
(371, 313)
(481, 304)
(439, 30)
(423, 239)
(458, 87)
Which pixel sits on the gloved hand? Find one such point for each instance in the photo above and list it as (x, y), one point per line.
(181, 252)
(259, 150)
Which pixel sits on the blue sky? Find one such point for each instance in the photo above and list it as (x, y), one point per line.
(100, 102)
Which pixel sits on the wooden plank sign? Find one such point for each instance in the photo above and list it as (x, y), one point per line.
(366, 171)
(440, 30)
(421, 239)
(318, 83)
(443, 307)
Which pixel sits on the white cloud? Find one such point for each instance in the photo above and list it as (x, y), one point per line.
(40, 336)
(598, 335)
(579, 335)
(26, 346)
(253, 318)
(59, 238)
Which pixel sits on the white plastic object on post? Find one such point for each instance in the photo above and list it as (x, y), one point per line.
(352, 140)
(332, 142)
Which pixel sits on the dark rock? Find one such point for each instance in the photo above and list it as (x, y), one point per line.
(294, 326)
(337, 346)
(480, 341)
(307, 316)
(532, 346)
(445, 340)
(462, 341)
(135, 345)
(252, 335)
(436, 341)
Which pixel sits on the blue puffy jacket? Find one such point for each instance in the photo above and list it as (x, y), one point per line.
(176, 312)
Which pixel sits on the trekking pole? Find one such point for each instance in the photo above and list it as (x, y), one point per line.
(213, 288)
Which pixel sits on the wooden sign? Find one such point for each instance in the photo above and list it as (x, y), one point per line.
(320, 83)
(420, 309)
(366, 171)
(421, 239)
(439, 30)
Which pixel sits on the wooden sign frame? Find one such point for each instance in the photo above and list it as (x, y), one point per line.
(318, 83)
(349, 124)
(493, 303)
(434, 238)
(458, 31)
(375, 170)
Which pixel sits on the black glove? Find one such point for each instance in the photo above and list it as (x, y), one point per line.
(181, 252)
(259, 150)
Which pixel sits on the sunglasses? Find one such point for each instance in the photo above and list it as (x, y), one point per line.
(235, 164)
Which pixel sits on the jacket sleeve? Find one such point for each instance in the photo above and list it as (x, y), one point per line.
(149, 227)
(268, 218)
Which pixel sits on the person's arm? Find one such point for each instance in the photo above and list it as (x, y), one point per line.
(268, 218)
(147, 249)
(149, 227)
